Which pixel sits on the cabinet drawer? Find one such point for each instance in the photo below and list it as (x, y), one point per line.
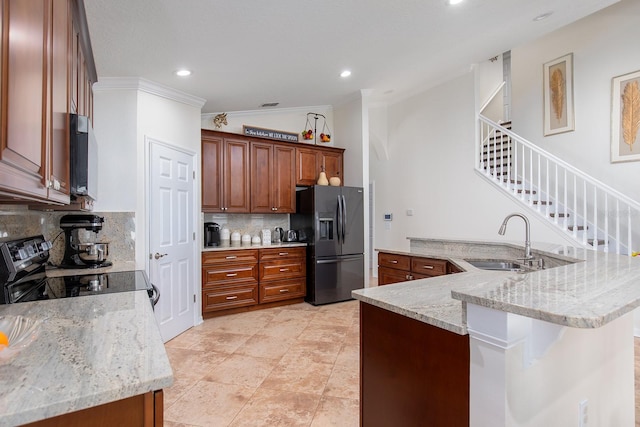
(279, 290)
(387, 276)
(428, 266)
(280, 253)
(401, 262)
(230, 274)
(283, 269)
(220, 257)
(229, 297)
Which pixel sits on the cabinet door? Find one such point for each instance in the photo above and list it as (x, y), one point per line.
(236, 176)
(332, 163)
(306, 166)
(387, 276)
(284, 182)
(58, 171)
(262, 185)
(212, 173)
(22, 149)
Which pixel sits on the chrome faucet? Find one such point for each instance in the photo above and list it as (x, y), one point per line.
(527, 241)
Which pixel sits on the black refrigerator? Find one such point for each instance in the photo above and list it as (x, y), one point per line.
(331, 221)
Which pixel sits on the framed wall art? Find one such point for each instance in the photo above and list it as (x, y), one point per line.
(558, 95)
(625, 118)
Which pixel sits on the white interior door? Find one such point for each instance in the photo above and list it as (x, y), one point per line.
(172, 237)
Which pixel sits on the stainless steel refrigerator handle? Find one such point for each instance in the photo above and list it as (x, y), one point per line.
(344, 218)
(339, 230)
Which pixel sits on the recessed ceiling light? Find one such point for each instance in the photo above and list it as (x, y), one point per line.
(455, 1)
(543, 16)
(345, 73)
(183, 73)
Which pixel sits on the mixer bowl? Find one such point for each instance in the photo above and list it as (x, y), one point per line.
(93, 253)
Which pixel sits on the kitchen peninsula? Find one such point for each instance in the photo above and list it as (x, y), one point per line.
(516, 349)
(97, 358)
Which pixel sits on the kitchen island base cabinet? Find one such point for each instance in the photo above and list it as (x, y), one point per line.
(411, 373)
(143, 410)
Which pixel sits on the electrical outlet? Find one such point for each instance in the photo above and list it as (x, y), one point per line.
(583, 416)
(409, 212)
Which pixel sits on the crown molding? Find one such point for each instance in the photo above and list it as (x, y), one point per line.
(144, 85)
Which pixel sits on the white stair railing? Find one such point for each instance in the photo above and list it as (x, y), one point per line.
(586, 210)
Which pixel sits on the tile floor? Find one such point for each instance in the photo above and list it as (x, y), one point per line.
(288, 366)
(295, 365)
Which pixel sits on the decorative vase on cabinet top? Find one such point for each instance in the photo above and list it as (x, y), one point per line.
(322, 180)
(334, 181)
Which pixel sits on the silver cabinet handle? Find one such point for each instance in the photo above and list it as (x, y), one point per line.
(232, 274)
(232, 297)
(231, 257)
(393, 261)
(282, 270)
(283, 253)
(283, 291)
(428, 267)
(158, 256)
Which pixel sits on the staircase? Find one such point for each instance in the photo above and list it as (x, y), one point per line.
(580, 207)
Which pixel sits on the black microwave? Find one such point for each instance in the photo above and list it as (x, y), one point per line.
(83, 165)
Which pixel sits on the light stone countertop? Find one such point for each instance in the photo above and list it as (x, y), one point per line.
(88, 351)
(234, 246)
(588, 293)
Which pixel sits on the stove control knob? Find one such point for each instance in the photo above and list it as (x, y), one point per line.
(46, 245)
(30, 250)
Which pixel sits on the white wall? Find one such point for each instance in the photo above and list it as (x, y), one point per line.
(127, 111)
(284, 119)
(604, 45)
(429, 169)
(115, 126)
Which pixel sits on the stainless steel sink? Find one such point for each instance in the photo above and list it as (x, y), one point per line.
(499, 265)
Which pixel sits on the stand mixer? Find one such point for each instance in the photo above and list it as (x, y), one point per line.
(78, 254)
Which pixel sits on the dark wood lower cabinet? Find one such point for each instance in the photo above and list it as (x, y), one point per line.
(143, 410)
(411, 373)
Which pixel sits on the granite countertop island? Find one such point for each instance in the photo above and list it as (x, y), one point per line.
(589, 291)
(87, 351)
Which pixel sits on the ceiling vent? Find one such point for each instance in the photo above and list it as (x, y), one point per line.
(269, 104)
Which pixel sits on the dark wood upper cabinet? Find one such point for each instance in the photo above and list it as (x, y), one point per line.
(58, 123)
(39, 49)
(273, 186)
(225, 174)
(23, 152)
(253, 175)
(310, 161)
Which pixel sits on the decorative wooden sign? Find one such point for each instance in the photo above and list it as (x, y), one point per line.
(269, 133)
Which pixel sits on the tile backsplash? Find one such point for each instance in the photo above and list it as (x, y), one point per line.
(118, 230)
(250, 224)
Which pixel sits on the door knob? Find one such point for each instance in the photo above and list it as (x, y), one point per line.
(158, 256)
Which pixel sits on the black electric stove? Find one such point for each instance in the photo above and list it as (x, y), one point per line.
(23, 276)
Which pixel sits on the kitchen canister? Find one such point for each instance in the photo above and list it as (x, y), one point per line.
(225, 235)
(266, 236)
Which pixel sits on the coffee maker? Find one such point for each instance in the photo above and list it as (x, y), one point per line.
(78, 254)
(211, 234)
